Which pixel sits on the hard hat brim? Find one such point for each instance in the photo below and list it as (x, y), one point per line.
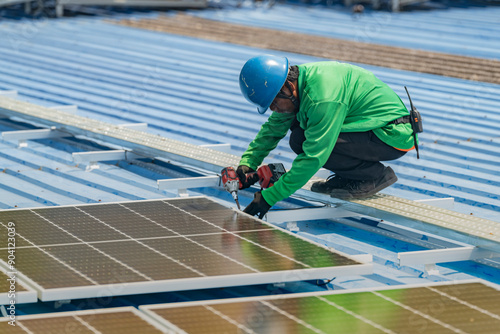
(262, 110)
(261, 79)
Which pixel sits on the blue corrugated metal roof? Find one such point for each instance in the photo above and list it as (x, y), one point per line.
(465, 28)
(186, 89)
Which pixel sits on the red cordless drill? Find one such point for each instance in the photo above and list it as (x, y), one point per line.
(268, 175)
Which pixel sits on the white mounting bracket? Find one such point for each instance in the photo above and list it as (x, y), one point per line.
(431, 269)
(444, 203)
(60, 303)
(93, 157)
(281, 216)
(182, 184)
(135, 126)
(363, 258)
(292, 226)
(434, 256)
(23, 135)
(3, 311)
(9, 93)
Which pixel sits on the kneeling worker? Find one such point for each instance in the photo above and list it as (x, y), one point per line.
(341, 118)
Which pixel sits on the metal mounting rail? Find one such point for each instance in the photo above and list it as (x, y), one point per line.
(471, 230)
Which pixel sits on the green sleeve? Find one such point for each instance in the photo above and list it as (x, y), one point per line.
(323, 127)
(267, 139)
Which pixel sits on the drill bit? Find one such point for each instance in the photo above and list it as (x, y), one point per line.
(235, 196)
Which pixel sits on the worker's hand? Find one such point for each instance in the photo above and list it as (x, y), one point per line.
(247, 176)
(258, 206)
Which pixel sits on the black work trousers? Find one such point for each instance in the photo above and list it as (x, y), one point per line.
(356, 155)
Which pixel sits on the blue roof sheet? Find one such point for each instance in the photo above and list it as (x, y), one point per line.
(459, 27)
(186, 89)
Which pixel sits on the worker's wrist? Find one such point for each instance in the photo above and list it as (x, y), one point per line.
(267, 197)
(247, 161)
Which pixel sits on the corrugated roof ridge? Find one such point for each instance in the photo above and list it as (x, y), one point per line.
(375, 26)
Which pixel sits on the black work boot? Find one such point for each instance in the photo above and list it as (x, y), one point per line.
(362, 189)
(333, 182)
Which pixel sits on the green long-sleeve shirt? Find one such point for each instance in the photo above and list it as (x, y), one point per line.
(334, 97)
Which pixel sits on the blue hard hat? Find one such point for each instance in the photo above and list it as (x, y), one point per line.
(261, 79)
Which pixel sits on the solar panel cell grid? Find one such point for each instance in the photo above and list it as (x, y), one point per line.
(30, 229)
(95, 265)
(319, 314)
(113, 321)
(40, 267)
(446, 310)
(435, 310)
(119, 323)
(6, 328)
(199, 258)
(171, 217)
(370, 309)
(243, 251)
(77, 223)
(217, 215)
(126, 221)
(157, 265)
(56, 325)
(475, 294)
(255, 317)
(303, 252)
(206, 321)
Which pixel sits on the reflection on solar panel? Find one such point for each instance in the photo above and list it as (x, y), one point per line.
(160, 245)
(454, 308)
(11, 288)
(121, 320)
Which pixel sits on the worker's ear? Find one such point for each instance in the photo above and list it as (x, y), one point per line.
(293, 86)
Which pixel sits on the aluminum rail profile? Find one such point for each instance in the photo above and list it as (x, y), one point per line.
(141, 143)
(474, 231)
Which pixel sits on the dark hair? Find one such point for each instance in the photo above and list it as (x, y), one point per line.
(293, 73)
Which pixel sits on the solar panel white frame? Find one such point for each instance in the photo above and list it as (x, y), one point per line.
(21, 296)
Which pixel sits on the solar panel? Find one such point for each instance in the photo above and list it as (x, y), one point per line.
(12, 289)
(121, 320)
(450, 308)
(160, 245)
